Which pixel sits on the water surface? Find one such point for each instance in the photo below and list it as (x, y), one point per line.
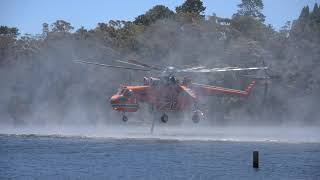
(72, 157)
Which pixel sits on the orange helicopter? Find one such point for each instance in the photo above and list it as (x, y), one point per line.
(167, 93)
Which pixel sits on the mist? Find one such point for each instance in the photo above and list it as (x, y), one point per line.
(44, 92)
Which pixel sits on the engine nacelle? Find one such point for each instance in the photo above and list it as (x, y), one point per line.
(151, 81)
(186, 81)
(146, 81)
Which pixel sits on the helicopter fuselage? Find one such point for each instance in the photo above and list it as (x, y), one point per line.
(167, 93)
(164, 94)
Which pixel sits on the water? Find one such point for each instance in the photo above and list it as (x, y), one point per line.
(153, 157)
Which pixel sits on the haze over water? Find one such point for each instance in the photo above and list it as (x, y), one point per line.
(79, 157)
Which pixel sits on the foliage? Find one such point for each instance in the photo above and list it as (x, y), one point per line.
(308, 24)
(191, 6)
(61, 26)
(9, 32)
(156, 13)
(251, 8)
(161, 36)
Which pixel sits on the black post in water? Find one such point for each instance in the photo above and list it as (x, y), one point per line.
(255, 160)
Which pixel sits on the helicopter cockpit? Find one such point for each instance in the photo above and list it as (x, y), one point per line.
(125, 92)
(168, 76)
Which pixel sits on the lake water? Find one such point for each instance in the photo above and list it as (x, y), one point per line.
(158, 156)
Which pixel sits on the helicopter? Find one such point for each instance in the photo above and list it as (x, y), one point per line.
(167, 92)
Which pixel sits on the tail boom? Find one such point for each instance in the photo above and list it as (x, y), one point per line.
(208, 90)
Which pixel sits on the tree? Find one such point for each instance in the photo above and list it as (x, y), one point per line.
(191, 6)
(285, 30)
(61, 26)
(7, 40)
(248, 26)
(315, 8)
(304, 13)
(81, 33)
(251, 8)
(156, 13)
(45, 29)
(308, 24)
(315, 14)
(9, 32)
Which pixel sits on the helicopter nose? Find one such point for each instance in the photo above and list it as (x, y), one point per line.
(114, 99)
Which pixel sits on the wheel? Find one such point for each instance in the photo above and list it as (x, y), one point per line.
(124, 118)
(164, 118)
(196, 117)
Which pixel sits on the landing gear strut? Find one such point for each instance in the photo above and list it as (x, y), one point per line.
(196, 116)
(124, 118)
(164, 118)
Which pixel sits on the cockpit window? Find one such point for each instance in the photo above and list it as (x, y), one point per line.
(119, 91)
(127, 92)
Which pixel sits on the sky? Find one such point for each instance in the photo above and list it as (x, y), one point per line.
(28, 15)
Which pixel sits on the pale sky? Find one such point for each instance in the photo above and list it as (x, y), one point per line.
(28, 15)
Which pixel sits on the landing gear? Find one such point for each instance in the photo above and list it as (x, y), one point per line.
(124, 118)
(164, 118)
(197, 116)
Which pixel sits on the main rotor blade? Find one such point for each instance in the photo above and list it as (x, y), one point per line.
(111, 66)
(125, 62)
(226, 69)
(143, 64)
(194, 68)
(256, 77)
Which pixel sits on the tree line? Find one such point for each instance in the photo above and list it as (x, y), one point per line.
(185, 36)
